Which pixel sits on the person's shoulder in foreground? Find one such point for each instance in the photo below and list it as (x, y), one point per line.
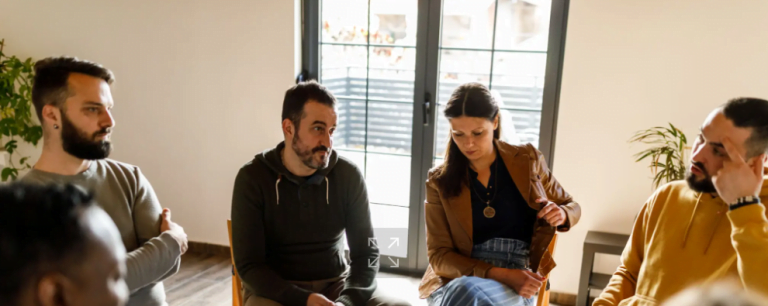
(58, 249)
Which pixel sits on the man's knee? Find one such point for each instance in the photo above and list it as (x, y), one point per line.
(249, 299)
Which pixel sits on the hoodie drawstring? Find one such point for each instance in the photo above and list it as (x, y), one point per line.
(690, 222)
(327, 186)
(277, 190)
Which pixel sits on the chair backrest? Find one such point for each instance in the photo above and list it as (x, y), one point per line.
(237, 284)
(543, 299)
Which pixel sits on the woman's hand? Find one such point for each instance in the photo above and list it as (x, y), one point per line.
(552, 213)
(524, 282)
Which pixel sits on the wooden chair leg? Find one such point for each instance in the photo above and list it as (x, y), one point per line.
(237, 284)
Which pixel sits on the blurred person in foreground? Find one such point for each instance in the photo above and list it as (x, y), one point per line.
(58, 249)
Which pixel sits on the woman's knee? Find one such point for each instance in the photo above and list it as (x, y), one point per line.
(478, 291)
(465, 283)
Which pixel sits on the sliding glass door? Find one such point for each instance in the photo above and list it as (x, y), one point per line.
(392, 65)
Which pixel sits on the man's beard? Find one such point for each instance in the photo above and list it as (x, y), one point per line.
(307, 156)
(700, 185)
(79, 144)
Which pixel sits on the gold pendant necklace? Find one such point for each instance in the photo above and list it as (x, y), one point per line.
(490, 212)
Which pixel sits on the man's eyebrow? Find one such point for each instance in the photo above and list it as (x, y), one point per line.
(714, 144)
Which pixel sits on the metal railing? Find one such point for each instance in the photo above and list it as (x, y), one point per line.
(390, 107)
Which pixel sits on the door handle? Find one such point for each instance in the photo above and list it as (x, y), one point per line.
(425, 107)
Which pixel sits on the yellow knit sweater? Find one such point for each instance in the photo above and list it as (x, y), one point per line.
(682, 238)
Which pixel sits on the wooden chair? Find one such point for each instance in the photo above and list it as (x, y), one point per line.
(237, 284)
(543, 292)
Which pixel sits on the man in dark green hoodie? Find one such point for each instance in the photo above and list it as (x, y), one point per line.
(291, 207)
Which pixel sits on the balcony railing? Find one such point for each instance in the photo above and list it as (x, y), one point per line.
(390, 108)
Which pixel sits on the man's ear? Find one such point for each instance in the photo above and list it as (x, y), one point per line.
(53, 290)
(288, 128)
(51, 114)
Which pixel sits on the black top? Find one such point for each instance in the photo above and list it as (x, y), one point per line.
(514, 219)
(290, 228)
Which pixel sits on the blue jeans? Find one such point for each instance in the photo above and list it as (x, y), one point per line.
(476, 291)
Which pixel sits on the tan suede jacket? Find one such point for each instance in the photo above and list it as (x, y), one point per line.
(449, 220)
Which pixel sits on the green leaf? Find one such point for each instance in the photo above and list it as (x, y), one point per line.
(644, 156)
(11, 146)
(666, 155)
(8, 126)
(33, 134)
(23, 160)
(9, 173)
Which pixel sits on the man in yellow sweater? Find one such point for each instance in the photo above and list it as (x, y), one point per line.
(711, 227)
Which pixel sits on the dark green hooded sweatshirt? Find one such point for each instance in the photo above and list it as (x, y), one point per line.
(289, 228)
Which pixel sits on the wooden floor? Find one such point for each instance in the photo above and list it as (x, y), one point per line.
(207, 280)
(202, 280)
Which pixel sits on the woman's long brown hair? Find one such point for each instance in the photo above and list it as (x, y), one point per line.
(471, 100)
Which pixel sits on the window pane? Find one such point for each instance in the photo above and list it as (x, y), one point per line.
(520, 127)
(386, 220)
(390, 127)
(343, 70)
(523, 25)
(388, 178)
(459, 67)
(344, 21)
(357, 157)
(467, 24)
(392, 73)
(350, 132)
(394, 22)
(518, 78)
(518, 86)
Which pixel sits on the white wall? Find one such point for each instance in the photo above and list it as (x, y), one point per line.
(199, 86)
(631, 65)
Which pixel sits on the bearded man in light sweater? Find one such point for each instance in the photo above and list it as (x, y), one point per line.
(74, 103)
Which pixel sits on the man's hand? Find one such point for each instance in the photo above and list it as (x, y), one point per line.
(316, 299)
(552, 213)
(176, 231)
(738, 178)
(524, 282)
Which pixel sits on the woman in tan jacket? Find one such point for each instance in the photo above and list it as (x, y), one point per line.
(492, 209)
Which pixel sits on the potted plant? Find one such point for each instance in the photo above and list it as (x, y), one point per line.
(16, 120)
(667, 154)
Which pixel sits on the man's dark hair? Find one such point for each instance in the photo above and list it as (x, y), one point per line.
(51, 75)
(41, 231)
(750, 113)
(298, 95)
